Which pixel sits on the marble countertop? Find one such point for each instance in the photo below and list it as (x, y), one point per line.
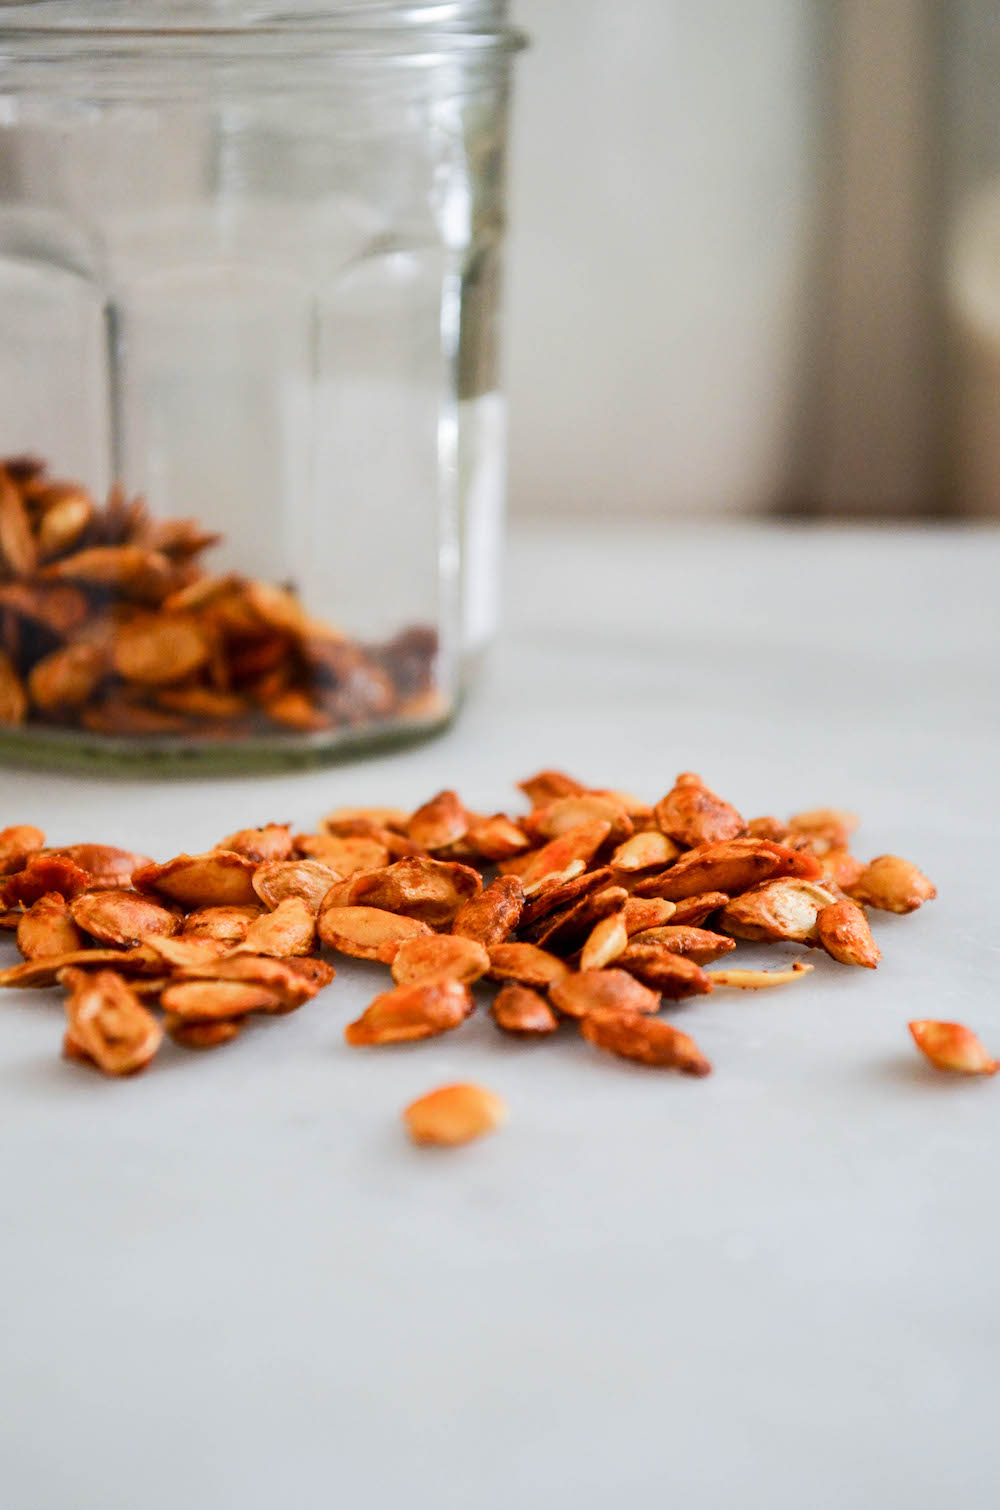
(232, 1283)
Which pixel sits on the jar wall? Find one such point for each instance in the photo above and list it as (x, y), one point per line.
(273, 312)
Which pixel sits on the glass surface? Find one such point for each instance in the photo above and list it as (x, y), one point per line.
(251, 275)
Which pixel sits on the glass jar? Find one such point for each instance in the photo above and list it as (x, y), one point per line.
(254, 438)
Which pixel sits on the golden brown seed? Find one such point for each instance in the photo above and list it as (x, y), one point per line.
(308, 879)
(293, 710)
(783, 909)
(647, 1040)
(202, 1035)
(216, 879)
(692, 814)
(454, 1114)
(132, 569)
(121, 917)
(567, 814)
(845, 935)
(696, 944)
(565, 930)
(757, 980)
(496, 838)
(363, 931)
(576, 844)
(290, 981)
(67, 678)
(207, 1000)
(768, 828)
(45, 971)
(429, 890)
(107, 1021)
(201, 702)
(226, 924)
(17, 844)
(155, 649)
(554, 880)
(439, 957)
(831, 824)
(696, 909)
(591, 990)
(547, 786)
(732, 866)
(841, 868)
(267, 844)
(186, 951)
(491, 917)
(377, 817)
(519, 1010)
(347, 856)
(17, 543)
(106, 866)
(952, 1046)
(525, 963)
(649, 850)
(411, 1012)
(13, 697)
(647, 912)
(892, 884)
(552, 899)
(42, 873)
(440, 822)
(63, 522)
(47, 928)
(658, 968)
(605, 942)
(289, 930)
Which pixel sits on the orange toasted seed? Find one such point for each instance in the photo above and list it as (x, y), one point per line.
(290, 929)
(952, 1046)
(411, 1012)
(227, 924)
(363, 931)
(108, 1023)
(648, 1040)
(893, 885)
(454, 1114)
(694, 910)
(843, 931)
(496, 838)
(605, 942)
(782, 909)
(521, 1011)
(117, 916)
(664, 971)
(547, 786)
(648, 850)
(525, 963)
(17, 844)
(692, 814)
(219, 878)
(308, 879)
(439, 957)
(206, 1000)
(202, 1035)
(696, 944)
(587, 991)
(440, 822)
(47, 928)
(271, 843)
(492, 916)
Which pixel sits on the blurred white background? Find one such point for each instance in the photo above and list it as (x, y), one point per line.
(720, 287)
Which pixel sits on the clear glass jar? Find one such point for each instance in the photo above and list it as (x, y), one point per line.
(249, 270)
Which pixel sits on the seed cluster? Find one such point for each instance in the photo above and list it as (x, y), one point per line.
(109, 623)
(593, 906)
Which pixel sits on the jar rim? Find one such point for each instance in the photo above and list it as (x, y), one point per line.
(273, 37)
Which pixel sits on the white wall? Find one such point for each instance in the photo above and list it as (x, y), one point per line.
(663, 197)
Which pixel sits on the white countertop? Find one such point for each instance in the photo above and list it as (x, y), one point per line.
(231, 1284)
